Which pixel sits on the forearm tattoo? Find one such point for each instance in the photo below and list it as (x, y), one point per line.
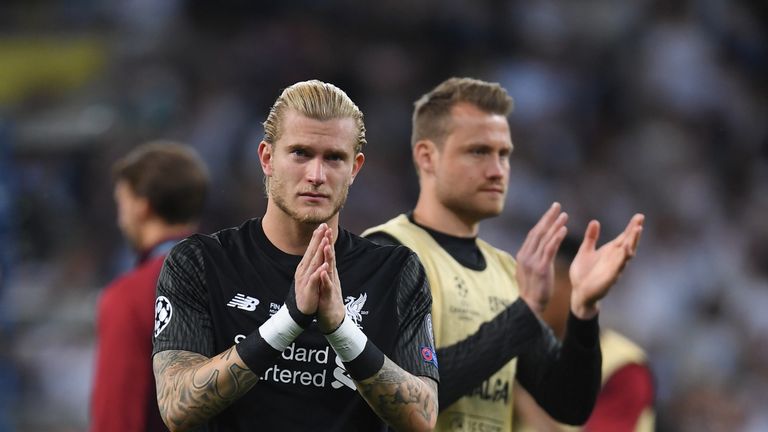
(401, 399)
(192, 388)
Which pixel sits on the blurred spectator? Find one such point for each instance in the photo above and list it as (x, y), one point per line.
(160, 190)
(8, 374)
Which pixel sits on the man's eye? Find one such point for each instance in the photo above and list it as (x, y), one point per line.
(299, 152)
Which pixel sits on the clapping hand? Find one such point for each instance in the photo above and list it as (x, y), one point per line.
(535, 260)
(593, 271)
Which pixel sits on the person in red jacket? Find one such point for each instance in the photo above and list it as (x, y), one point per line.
(160, 190)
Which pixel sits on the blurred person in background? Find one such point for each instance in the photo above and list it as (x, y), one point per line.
(291, 312)
(487, 304)
(160, 191)
(625, 401)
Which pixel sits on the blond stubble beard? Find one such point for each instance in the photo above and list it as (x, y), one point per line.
(312, 217)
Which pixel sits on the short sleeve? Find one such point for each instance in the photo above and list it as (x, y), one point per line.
(415, 349)
(182, 316)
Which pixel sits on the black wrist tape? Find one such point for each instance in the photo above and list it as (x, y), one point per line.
(337, 327)
(293, 309)
(367, 363)
(256, 353)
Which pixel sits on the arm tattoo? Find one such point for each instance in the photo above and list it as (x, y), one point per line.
(404, 401)
(192, 388)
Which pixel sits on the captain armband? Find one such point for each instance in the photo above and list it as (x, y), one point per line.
(361, 358)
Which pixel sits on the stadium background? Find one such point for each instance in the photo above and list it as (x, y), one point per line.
(649, 106)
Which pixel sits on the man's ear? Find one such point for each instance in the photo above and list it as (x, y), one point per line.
(357, 165)
(142, 210)
(425, 155)
(265, 157)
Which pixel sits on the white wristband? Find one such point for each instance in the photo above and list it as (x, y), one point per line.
(348, 340)
(280, 330)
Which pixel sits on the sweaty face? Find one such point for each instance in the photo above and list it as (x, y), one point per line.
(311, 166)
(472, 167)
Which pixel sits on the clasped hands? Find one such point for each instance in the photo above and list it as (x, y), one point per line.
(318, 290)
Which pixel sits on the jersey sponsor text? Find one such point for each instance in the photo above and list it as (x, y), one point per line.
(495, 391)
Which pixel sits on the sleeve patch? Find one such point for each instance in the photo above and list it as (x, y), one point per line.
(163, 314)
(429, 355)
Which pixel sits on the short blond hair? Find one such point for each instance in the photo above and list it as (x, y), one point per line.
(316, 100)
(432, 111)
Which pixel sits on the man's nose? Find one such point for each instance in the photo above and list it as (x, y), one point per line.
(316, 172)
(496, 167)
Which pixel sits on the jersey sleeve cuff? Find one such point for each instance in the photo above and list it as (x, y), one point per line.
(585, 333)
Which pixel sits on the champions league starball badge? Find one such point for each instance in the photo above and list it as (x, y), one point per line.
(163, 313)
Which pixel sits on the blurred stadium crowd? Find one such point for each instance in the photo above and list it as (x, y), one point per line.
(652, 106)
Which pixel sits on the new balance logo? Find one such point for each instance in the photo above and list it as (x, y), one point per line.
(243, 302)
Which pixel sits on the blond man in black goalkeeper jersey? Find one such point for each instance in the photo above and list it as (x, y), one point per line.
(289, 322)
(486, 302)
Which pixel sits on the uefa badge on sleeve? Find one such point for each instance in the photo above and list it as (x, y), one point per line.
(429, 355)
(163, 313)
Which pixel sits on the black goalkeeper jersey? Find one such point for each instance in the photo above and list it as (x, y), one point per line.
(214, 290)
